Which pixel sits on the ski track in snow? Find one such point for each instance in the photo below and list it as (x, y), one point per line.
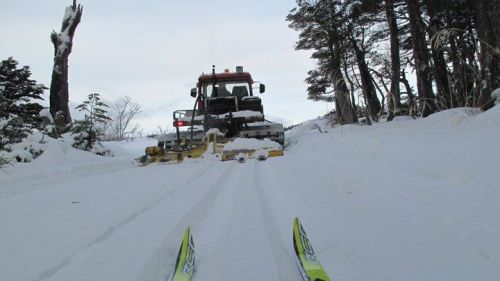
(49, 273)
(22, 183)
(282, 252)
(156, 268)
(368, 218)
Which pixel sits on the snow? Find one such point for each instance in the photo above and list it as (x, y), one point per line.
(401, 200)
(39, 86)
(496, 95)
(46, 113)
(25, 151)
(251, 144)
(244, 114)
(69, 13)
(260, 123)
(247, 114)
(214, 131)
(64, 40)
(189, 118)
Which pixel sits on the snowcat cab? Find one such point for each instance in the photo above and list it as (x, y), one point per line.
(225, 110)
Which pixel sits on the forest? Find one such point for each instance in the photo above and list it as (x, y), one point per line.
(369, 55)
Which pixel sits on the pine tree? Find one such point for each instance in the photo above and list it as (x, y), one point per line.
(361, 17)
(19, 114)
(321, 25)
(88, 131)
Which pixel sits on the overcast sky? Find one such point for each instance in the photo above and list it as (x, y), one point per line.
(154, 51)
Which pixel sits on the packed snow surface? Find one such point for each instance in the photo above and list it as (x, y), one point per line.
(404, 200)
(251, 144)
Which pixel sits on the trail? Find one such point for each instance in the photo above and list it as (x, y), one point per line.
(370, 213)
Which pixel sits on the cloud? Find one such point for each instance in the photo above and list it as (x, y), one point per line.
(154, 51)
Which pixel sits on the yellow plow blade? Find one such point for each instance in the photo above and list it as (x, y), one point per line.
(215, 146)
(156, 154)
(260, 154)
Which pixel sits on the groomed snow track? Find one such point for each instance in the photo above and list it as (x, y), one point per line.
(367, 220)
(225, 203)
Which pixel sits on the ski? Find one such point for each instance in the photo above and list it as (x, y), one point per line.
(184, 265)
(307, 261)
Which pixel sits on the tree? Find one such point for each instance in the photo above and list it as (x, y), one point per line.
(451, 46)
(362, 15)
(322, 26)
(395, 94)
(19, 114)
(63, 44)
(123, 112)
(88, 131)
(421, 56)
(435, 10)
(486, 18)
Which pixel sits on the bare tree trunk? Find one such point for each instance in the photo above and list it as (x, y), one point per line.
(351, 85)
(409, 92)
(485, 12)
(372, 102)
(63, 43)
(435, 11)
(421, 56)
(382, 102)
(394, 102)
(457, 75)
(345, 112)
(469, 68)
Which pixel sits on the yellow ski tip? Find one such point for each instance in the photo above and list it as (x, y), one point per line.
(185, 262)
(296, 221)
(309, 267)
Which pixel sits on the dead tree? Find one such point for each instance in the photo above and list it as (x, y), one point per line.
(124, 111)
(63, 43)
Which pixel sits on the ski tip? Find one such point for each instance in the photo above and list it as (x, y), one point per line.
(295, 231)
(187, 237)
(185, 262)
(296, 223)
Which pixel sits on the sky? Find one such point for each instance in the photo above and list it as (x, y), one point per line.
(154, 51)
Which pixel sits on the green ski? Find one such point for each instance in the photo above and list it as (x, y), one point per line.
(307, 261)
(184, 265)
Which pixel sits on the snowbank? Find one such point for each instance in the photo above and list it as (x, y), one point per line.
(496, 95)
(31, 147)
